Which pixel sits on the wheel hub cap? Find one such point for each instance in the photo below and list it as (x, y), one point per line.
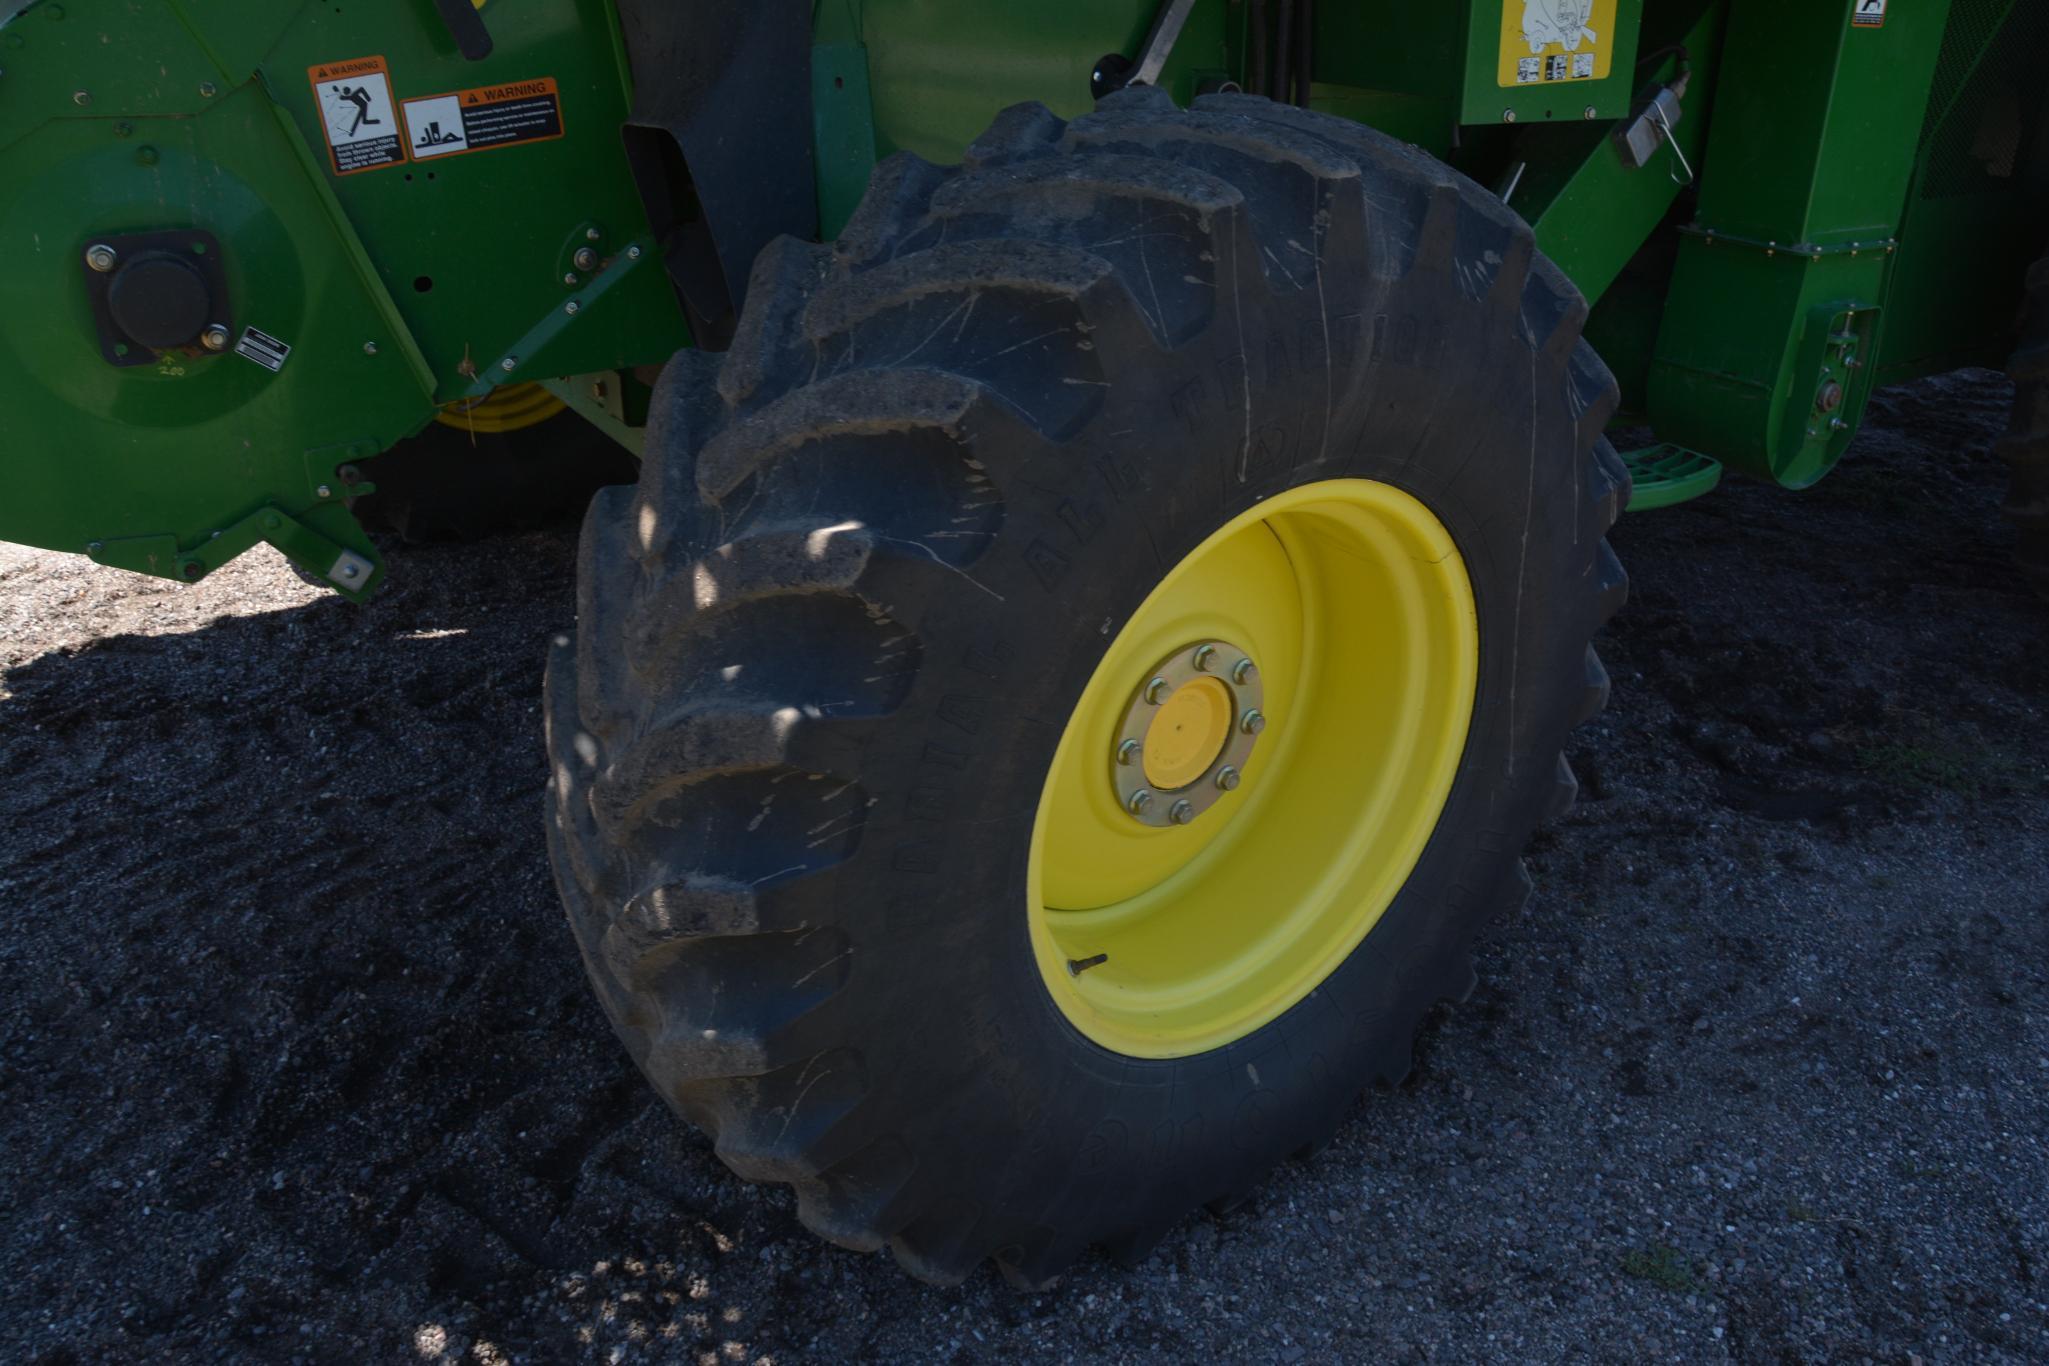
(1187, 732)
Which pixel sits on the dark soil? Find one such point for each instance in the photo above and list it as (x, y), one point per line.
(297, 1062)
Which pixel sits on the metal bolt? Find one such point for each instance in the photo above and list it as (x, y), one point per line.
(633, 253)
(124, 129)
(1242, 670)
(1127, 753)
(585, 258)
(1181, 812)
(81, 97)
(101, 257)
(1203, 654)
(1252, 722)
(1830, 398)
(599, 391)
(572, 307)
(324, 491)
(369, 348)
(348, 571)
(592, 234)
(509, 364)
(1227, 778)
(145, 156)
(95, 547)
(1156, 689)
(571, 278)
(215, 338)
(1508, 116)
(1140, 800)
(1590, 111)
(207, 90)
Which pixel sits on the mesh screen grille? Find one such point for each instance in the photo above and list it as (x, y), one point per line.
(1985, 117)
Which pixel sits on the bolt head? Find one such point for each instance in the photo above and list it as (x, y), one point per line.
(1139, 801)
(1204, 654)
(1228, 778)
(509, 364)
(81, 97)
(1590, 111)
(1181, 812)
(633, 253)
(1508, 116)
(324, 491)
(1157, 689)
(586, 259)
(571, 278)
(1252, 722)
(348, 571)
(1243, 670)
(1830, 398)
(95, 547)
(1128, 752)
(207, 90)
(592, 234)
(102, 257)
(572, 307)
(369, 348)
(215, 338)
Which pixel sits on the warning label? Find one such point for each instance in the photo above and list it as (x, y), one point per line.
(357, 114)
(1867, 14)
(489, 116)
(1543, 41)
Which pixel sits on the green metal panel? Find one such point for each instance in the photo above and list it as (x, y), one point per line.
(396, 287)
(1979, 211)
(1765, 353)
(942, 69)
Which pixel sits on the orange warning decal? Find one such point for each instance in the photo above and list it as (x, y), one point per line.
(358, 115)
(489, 116)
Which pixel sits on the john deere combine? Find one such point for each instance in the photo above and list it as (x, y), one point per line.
(1120, 483)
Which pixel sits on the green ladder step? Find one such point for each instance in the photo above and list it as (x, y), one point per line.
(1667, 474)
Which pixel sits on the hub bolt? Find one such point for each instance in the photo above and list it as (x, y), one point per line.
(1127, 753)
(1252, 722)
(102, 257)
(1242, 670)
(1203, 655)
(215, 338)
(1227, 778)
(1140, 800)
(1156, 690)
(1182, 812)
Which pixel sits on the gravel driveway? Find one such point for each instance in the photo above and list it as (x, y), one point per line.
(296, 1060)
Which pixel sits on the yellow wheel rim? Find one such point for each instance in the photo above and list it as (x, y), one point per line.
(510, 409)
(1196, 871)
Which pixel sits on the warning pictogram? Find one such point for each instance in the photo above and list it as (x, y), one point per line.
(489, 116)
(357, 114)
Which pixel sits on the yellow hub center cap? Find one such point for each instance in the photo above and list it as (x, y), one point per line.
(1187, 734)
(1250, 776)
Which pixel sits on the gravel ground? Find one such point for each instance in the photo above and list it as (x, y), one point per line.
(296, 1060)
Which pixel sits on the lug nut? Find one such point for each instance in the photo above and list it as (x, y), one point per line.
(1127, 753)
(1140, 800)
(1182, 812)
(1242, 670)
(101, 257)
(1227, 778)
(1203, 655)
(215, 338)
(1252, 722)
(1156, 689)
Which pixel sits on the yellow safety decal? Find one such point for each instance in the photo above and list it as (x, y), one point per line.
(1547, 41)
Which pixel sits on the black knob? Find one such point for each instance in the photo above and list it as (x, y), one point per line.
(159, 300)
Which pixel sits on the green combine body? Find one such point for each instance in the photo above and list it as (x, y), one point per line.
(1215, 455)
(1836, 202)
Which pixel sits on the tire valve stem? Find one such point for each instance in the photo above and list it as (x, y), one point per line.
(1077, 966)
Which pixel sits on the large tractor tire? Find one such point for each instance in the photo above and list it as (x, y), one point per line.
(2026, 443)
(1074, 679)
